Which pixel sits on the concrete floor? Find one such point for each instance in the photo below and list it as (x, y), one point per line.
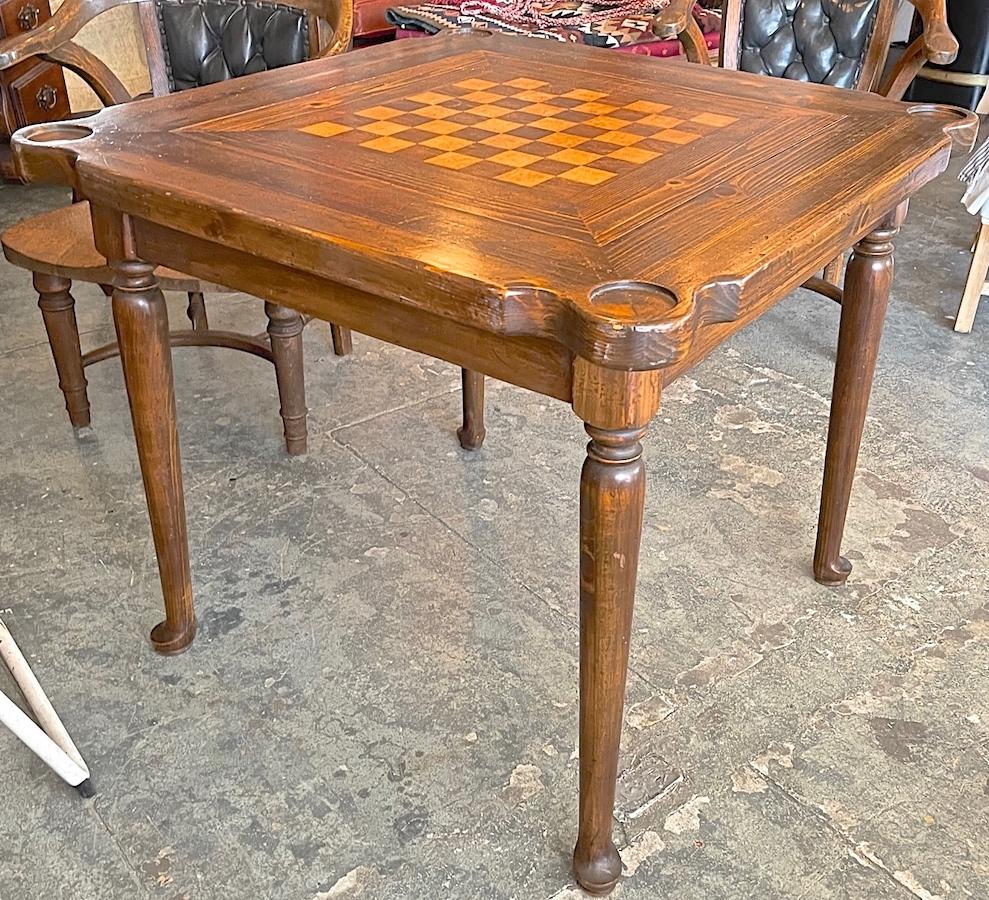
(381, 702)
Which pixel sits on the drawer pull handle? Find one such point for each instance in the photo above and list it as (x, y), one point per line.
(46, 98)
(29, 17)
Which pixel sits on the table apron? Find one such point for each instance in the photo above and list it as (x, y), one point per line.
(537, 364)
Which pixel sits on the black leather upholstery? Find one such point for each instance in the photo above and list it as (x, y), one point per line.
(823, 41)
(207, 41)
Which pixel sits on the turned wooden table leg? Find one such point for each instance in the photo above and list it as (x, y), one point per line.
(343, 340)
(863, 311)
(196, 311)
(471, 433)
(58, 309)
(616, 408)
(612, 493)
(285, 328)
(141, 320)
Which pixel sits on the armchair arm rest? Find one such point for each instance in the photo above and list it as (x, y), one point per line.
(936, 44)
(338, 15)
(673, 19)
(940, 45)
(62, 27)
(92, 70)
(677, 21)
(903, 73)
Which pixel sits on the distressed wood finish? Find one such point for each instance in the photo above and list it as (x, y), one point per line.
(477, 198)
(936, 44)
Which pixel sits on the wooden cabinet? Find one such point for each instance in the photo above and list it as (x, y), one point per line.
(32, 91)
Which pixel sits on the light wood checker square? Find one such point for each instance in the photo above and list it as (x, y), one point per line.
(328, 129)
(525, 132)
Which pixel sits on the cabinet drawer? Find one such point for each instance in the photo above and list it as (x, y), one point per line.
(22, 15)
(39, 95)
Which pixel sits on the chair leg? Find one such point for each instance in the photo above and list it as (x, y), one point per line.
(343, 341)
(834, 271)
(285, 330)
(471, 433)
(975, 287)
(196, 311)
(58, 310)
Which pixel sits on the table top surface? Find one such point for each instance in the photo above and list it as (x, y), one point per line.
(610, 201)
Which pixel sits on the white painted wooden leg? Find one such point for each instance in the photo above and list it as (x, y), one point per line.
(51, 742)
(40, 744)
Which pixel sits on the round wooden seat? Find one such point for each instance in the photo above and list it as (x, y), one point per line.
(59, 248)
(61, 243)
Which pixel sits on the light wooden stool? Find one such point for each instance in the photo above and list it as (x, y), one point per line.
(976, 200)
(977, 285)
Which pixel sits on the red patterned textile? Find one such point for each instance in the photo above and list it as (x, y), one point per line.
(616, 24)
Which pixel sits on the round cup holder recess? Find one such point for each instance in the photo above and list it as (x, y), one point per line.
(960, 125)
(938, 111)
(634, 296)
(56, 132)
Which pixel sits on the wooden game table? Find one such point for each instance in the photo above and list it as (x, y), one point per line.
(583, 224)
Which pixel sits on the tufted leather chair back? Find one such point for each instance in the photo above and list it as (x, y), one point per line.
(837, 42)
(206, 41)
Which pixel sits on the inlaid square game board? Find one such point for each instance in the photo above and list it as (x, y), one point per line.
(522, 131)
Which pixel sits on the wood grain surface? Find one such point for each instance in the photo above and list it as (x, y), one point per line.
(742, 187)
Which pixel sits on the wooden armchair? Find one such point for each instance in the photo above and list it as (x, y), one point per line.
(189, 43)
(843, 43)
